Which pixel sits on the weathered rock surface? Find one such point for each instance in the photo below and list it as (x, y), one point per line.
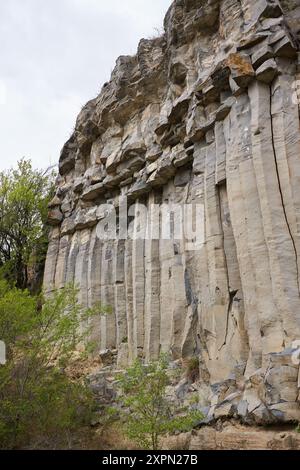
(233, 436)
(205, 114)
(237, 437)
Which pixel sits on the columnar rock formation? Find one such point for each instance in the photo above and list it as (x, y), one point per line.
(207, 113)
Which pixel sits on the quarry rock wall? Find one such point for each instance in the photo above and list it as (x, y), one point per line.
(207, 114)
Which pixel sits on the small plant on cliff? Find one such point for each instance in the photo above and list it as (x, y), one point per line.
(39, 403)
(192, 370)
(149, 413)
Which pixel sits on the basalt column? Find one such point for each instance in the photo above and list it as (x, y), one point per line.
(205, 116)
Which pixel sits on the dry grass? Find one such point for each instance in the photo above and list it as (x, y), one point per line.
(113, 438)
(192, 369)
(180, 442)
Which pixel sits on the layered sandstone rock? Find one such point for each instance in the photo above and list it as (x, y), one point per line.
(206, 114)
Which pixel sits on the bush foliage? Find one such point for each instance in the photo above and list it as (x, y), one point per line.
(38, 402)
(149, 413)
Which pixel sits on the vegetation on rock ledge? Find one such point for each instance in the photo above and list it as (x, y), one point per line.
(149, 414)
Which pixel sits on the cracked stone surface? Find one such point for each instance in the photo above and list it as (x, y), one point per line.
(205, 114)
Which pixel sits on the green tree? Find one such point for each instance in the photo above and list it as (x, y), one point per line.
(24, 197)
(149, 414)
(37, 398)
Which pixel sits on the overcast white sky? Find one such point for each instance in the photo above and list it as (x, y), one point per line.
(55, 56)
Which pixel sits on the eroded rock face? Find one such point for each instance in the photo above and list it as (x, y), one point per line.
(237, 437)
(207, 114)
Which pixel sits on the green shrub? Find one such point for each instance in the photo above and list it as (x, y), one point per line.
(38, 402)
(150, 414)
(194, 400)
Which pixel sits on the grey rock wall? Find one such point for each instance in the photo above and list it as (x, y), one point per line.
(207, 113)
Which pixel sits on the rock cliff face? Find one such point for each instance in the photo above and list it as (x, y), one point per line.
(207, 114)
